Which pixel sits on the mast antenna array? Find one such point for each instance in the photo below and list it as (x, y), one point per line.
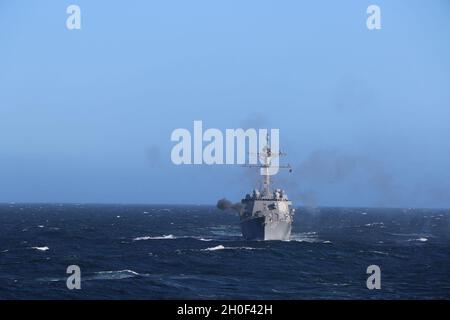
(265, 158)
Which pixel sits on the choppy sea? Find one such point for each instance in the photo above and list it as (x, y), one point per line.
(196, 252)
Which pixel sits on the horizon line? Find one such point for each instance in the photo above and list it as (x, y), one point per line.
(208, 205)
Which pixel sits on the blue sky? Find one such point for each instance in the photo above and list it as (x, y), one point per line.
(86, 115)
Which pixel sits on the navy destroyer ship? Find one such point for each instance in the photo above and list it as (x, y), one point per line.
(266, 214)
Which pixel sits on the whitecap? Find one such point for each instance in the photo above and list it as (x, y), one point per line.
(308, 240)
(422, 239)
(100, 275)
(221, 247)
(41, 248)
(374, 224)
(309, 237)
(113, 275)
(50, 279)
(379, 252)
(163, 237)
(203, 239)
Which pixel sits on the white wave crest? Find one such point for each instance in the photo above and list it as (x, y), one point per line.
(41, 248)
(374, 224)
(114, 275)
(100, 275)
(422, 239)
(171, 237)
(163, 237)
(309, 237)
(221, 247)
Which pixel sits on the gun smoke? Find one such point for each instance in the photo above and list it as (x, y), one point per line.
(224, 204)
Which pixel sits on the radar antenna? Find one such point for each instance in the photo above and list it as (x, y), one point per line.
(265, 156)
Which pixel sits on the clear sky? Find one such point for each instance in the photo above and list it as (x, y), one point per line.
(86, 115)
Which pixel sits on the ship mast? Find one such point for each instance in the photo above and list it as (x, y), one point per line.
(265, 158)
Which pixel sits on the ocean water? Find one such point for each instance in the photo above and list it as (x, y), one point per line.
(196, 252)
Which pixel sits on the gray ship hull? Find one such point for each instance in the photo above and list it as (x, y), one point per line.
(265, 214)
(258, 228)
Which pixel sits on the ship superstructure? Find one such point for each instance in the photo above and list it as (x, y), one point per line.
(266, 214)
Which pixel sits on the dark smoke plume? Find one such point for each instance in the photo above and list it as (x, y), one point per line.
(325, 167)
(224, 204)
